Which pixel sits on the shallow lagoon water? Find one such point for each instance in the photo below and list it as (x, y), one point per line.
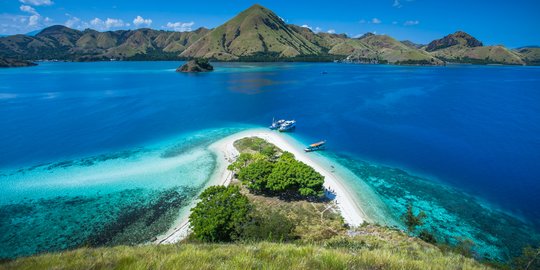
(74, 132)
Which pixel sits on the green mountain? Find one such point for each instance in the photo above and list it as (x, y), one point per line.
(255, 31)
(459, 38)
(325, 41)
(60, 42)
(392, 51)
(461, 47)
(411, 44)
(384, 49)
(531, 55)
(256, 34)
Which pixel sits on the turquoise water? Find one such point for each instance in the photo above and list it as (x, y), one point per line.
(82, 142)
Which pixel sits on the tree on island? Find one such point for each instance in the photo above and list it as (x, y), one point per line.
(291, 175)
(411, 220)
(220, 214)
(284, 176)
(255, 174)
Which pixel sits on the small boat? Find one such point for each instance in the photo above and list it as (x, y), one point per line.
(316, 146)
(276, 124)
(287, 126)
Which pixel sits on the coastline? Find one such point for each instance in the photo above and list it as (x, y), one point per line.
(225, 152)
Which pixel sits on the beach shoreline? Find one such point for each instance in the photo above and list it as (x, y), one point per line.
(226, 153)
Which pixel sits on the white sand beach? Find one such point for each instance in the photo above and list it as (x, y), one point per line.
(352, 213)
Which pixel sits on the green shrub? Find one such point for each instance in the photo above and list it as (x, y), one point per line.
(411, 220)
(529, 259)
(269, 226)
(220, 214)
(427, 237)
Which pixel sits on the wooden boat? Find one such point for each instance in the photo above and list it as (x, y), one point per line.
(316, 146)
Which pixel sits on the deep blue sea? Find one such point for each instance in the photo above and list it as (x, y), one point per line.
(82, 142)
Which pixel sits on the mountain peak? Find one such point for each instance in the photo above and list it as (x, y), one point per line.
(366, 35)
(256, 8)
(55, 29)
(457, 38)
(256, 31)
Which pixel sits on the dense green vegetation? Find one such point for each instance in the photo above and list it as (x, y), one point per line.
(268, 175)
(283, 175)
(220, 214)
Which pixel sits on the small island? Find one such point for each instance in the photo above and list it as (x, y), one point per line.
(196, 65)
(273, 209)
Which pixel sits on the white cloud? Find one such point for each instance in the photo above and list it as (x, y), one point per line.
(410, 23)
(363, 21)
(33, 20)
(109, 23)
(37, 2)
(331, 31)
(28, 9)
(17, 24)
(72, 22)
(399, 3)
(179, 26)
(306, 26)
(140, 21)
(97, 22)
(317, 29)
(376, 21)
(394, 22)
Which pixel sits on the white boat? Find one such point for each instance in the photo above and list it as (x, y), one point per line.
(287, 126)
(276, 124)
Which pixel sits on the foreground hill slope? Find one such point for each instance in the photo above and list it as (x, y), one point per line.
(255, 31)
(461, 47)
(372, 248)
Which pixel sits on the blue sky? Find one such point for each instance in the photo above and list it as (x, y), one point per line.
(513, 23)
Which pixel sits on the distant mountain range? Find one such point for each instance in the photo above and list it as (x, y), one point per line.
(256, 34)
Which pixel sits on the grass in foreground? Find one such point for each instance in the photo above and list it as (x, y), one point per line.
(361, 252)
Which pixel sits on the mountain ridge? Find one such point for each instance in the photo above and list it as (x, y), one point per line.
(255, 34)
